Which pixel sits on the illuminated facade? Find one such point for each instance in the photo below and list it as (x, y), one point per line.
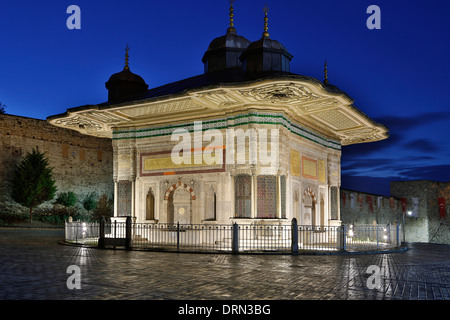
(291, 127)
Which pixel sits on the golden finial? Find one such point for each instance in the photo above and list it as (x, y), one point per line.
(231, 28)
(127, 48)
(266, 19)
(325, 81)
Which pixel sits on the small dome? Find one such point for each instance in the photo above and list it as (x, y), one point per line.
(125, 85)
(224, 52)
(266, 54)
(267, 43)
(126, 75)
(230, 40)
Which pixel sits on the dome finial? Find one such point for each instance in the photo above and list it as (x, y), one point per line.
(231, 28)
(266, 19)
(127, 48)
(325, 81)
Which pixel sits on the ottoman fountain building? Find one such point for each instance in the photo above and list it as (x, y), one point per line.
(245, 141)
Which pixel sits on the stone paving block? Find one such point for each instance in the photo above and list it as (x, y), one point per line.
(34, 267)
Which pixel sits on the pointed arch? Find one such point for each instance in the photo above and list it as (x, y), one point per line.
(177, 185)
(309, 192)
(150, 205)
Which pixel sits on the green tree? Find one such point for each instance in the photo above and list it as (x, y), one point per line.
(90, 201)
(33, 181)
(2, 108)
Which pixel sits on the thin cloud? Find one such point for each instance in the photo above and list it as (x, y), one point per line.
(405, 123)
(424, 145)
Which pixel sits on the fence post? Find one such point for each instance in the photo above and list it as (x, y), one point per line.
(397, 227)
(101, 238)
(377, 236)
(128, 233)
(235, 238)
(178, 236)
(341, 238)
(294, 236)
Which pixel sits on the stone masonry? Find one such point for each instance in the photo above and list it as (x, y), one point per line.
(365, 208)
(81, 164)
(425, 223)
(413, 204)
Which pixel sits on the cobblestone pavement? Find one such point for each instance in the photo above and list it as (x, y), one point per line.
(33, 266)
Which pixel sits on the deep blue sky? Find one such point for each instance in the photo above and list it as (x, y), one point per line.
(398, 75)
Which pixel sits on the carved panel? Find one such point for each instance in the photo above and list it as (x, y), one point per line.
(280, 93)
(156, 109)
(218, 98)
(336, 119)
(309, 168)
(124, 198)
(295, 163)
(79, 122)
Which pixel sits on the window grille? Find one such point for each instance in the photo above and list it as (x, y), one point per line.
(267, 196)
(243, 196)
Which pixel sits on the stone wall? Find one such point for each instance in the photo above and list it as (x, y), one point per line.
(81, 164)
(414, 204)
(424, 223)
(365, 208)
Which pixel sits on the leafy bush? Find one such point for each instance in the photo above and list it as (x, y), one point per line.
(67, 199)
(105, 208)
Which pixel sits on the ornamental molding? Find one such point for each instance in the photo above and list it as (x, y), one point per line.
(148, 110)
(217, 99)
(304, 106)
(170, 185)
(285, 93)
(80, 122)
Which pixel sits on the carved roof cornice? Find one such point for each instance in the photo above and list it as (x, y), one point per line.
(305, 100)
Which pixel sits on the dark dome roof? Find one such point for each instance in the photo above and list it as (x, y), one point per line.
(267, 43)
(265, 55)
(224, 52)
(126, 75)
(229, 40)
(125, 84)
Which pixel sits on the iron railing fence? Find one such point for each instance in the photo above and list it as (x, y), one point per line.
(256, 237)
(80, 232)
(372, 237)
(320, 238)
(235, 237)
(182, 237)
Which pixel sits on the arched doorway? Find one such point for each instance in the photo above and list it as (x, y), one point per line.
(178, 199)
(309, 207)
